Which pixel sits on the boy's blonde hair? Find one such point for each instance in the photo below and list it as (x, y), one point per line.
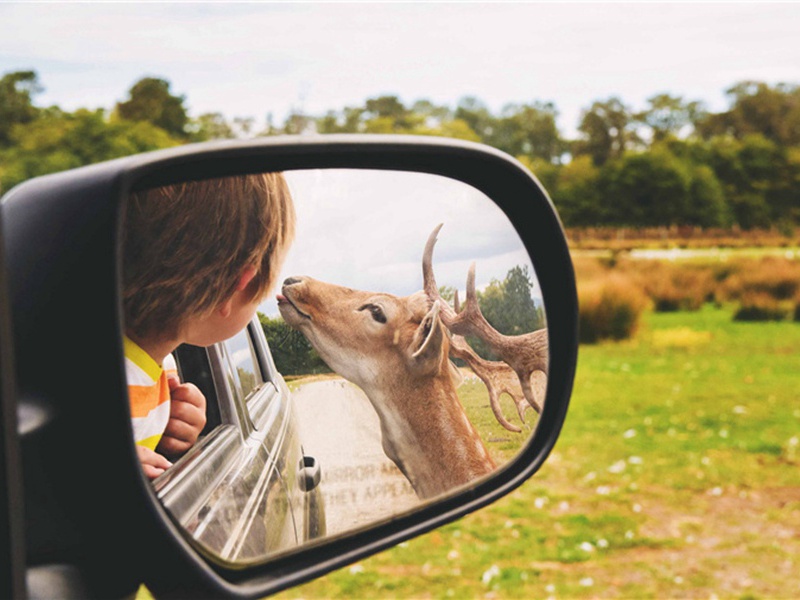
(185, 247)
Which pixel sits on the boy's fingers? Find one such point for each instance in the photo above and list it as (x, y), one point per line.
(173, 446)
(153, 464)
(187, 413)
(189, 393)
(173, 381)
(182, 430)
(152, 472)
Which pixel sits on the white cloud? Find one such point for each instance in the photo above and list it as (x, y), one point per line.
(247, 59)
(367, 230)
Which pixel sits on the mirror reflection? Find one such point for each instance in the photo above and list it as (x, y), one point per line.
(384, 346)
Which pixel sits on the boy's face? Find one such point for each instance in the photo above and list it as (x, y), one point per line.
(223, 323)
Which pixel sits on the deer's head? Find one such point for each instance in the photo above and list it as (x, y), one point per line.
(372, 339)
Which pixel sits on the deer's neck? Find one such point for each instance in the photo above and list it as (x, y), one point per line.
(427, 434)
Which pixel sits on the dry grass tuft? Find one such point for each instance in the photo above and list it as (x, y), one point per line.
(610, 307)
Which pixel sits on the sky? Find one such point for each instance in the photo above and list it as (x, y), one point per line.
(250, 59)
(367, 230)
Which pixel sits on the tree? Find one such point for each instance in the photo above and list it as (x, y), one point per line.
(707, 206)
(58, 140)
(291, 351)
(757, 108)
(210, 126)
(669, 115)
(150, 100)
(508, 307)
(647, 189)
(475, 114)
(545, 171)
(758, 177)
(577, 195)
(16, 102)
(528, 130)
(348, 120)
(607, 130)
(386, 106)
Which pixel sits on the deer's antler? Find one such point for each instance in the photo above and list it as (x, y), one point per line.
(496, 376)
(524, 354)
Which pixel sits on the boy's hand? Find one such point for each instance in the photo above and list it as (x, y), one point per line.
(187, 417)
(153, 464)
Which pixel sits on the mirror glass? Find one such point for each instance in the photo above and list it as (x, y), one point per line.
(400, 356)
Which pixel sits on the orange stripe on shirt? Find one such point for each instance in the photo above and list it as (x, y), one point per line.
(144, 399)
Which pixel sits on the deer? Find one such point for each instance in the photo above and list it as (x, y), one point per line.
(397, 350)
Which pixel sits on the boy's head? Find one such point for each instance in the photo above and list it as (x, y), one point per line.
(186, 248)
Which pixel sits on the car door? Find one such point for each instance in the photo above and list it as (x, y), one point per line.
(237, 491)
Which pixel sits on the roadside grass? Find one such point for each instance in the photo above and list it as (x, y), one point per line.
(501, 443)
(677, 474)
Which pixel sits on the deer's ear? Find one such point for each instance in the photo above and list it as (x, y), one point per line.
(427, 344)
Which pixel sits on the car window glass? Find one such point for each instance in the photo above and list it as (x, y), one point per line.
(245, 363)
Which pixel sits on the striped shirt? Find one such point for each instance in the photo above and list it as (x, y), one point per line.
(148, 392)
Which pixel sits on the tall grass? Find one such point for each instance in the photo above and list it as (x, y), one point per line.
(610, 304)
(673, 286)
(764, 289)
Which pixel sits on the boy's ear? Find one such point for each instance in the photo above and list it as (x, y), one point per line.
(244, 280)
(246, 277)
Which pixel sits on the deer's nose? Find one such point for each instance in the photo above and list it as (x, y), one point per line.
(292, 280)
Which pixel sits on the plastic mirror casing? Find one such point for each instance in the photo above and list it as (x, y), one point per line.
(92, 522)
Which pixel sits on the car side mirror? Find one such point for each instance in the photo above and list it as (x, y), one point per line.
(387, 227)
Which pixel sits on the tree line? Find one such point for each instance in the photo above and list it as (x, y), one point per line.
(670, 163)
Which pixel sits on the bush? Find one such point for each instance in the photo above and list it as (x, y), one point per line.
(676, 287)
(760, 306)
(778, 278)
(609, 308)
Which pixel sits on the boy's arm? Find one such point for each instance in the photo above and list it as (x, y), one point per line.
(187, 417)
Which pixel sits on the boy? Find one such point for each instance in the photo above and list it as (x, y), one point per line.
(198, 258)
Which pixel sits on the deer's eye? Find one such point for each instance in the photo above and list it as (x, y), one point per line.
(376, 312)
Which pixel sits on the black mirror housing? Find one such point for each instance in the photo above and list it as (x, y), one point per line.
(86, 503)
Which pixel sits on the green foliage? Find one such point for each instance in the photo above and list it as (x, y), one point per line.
(16, 102)
(529, 130)
(648, 188)
(757, 108)
(577, 194)
(508, 307)
(56, 141)
(150, 100)
(291, 351)
(210, 126)
(607, 129)
(671, 163)
(667, 116)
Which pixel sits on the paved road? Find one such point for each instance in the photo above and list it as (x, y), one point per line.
(340, 429)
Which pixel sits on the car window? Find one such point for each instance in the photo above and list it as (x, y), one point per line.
(245, 364)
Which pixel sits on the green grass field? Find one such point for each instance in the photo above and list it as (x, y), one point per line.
(677, 475)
